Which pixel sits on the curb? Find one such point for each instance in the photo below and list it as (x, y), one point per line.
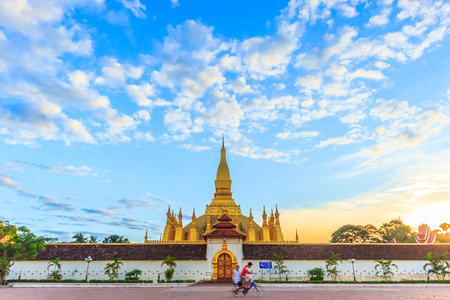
(93, 285)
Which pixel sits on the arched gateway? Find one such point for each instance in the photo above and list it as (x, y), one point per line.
(224, 267)
(224, 261)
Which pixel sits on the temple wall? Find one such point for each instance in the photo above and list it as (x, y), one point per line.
(364, 270)
(150, 269)
(199, 270)
(195, 260)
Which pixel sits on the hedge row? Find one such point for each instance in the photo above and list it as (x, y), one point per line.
(354, 282)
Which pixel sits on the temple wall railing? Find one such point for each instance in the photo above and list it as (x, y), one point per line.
(174, 242)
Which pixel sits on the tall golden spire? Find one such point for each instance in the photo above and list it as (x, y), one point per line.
(223, 201)
(223, 173)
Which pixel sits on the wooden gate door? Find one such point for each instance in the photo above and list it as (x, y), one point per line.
(224, 268)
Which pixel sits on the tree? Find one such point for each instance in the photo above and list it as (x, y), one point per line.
(383, 268)
(80, 238)
(356, 234)
(437, 264)
(115, 238)
(55, 274)
(331, 265)
(279, 262)
(93, 239)
(20, 244)
(170, 262)
(112, 269)
(398, 230)
(443, 236)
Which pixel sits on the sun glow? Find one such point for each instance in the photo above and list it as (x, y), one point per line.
(433, 215)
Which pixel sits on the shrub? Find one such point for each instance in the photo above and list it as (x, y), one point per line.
(133, 275)
(316, 274)
(54, 275)
(437, 264)
(384, 268)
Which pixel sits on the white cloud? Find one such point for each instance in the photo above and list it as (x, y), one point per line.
(335, 89)
(312, 82)
(144, 136)
(335, 141)
(240, 86)
(178, 121)
(288, 135)
(339, 45)
(390, 110)
(76, 131)
(224, 115)
(141, 93)
(142, 115)
(269, 56)
(368, 74)
(382, 65)
(195, 148)
(136, 7)
(381, 19)
(115, 74)
(348, 11)
(189, 56)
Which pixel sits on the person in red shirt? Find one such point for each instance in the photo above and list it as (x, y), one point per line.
(245, 273)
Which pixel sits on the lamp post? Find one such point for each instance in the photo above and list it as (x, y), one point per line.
(88, 260)
(352, 260)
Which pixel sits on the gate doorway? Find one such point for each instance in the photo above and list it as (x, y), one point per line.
(224, 267)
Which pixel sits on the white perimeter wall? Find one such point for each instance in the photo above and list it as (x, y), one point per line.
(199, 270)
(38, 270)
(364, 270)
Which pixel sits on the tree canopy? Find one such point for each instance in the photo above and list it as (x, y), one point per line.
(398, 230)
(371, 234)
(443, 235)
(20, 244)
(80, 238)
(115, 238)
(356, 234)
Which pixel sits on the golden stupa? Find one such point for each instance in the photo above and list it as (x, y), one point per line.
(223, 203)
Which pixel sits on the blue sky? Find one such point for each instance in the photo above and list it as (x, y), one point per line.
(336, 111)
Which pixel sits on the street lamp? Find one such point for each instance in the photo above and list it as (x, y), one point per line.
(88, 260)
(352, 260)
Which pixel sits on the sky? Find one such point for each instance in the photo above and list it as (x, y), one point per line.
(335, 111)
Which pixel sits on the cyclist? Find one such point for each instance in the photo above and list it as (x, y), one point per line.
(237, 279)
(247, 279)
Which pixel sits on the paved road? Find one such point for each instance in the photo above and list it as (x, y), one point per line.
(199, 292)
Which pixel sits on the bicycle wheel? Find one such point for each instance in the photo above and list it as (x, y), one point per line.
(257, 290)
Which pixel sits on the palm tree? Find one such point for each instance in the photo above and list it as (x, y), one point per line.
(438, 265)
(56, 263)
(331, 265)
(170, 262)
(385, 266)
(279, 261)
(79, 238)
(55, 274)
(112, 269)
(93, 239)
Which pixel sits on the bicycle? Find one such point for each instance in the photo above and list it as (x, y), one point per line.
(255, 289)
